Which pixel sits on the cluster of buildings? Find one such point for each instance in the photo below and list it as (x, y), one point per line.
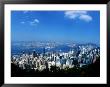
(84, 55)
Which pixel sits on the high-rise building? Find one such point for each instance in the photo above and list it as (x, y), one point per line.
(44, 51)
(34, 53)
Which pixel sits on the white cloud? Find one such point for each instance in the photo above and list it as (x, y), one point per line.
(82, 15)
(28, 18)
(86, 18)
(26, 11)
(34, 22)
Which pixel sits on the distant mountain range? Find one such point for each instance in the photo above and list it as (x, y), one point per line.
(28, 46)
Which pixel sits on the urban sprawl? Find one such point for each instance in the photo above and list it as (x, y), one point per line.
(85, 55)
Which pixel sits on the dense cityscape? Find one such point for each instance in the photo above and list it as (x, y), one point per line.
(55, 43)
(78, 55)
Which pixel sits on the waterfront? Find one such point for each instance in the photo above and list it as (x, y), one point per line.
(65, 57)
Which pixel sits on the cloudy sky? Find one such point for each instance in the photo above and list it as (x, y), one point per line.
(78, 26)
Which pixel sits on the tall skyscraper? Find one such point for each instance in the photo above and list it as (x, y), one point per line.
(44, 51)
(34, 53)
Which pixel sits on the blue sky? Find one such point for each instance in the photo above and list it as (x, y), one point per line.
(76, 26)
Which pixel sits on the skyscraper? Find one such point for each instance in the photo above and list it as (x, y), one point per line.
(34, 53)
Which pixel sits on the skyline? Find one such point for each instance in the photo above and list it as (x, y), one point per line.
(77, 26)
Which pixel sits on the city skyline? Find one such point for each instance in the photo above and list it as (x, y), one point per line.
(78, 26)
